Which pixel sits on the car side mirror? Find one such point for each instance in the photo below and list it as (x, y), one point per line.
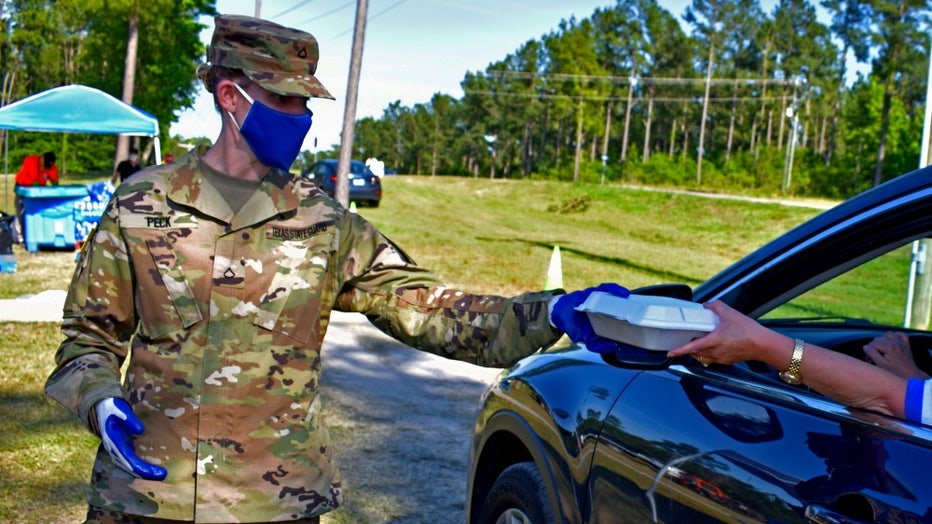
(680, 291)
(637, 358)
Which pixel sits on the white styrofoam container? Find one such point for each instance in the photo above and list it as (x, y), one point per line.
(648, 322)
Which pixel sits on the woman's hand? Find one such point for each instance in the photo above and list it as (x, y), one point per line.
(736, 338)
(892, 352)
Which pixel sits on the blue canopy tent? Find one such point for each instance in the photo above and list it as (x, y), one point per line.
(76, 109)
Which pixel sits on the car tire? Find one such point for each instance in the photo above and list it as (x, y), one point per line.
(517, 497)
(374, 203)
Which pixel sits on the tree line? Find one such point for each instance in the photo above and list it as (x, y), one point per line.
(725, 96)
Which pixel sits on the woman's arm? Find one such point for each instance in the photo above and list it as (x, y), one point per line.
(848, 380)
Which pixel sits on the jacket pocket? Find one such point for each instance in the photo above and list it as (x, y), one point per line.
(166, 300)
(293, 303)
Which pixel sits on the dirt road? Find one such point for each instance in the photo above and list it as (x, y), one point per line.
(402, 421)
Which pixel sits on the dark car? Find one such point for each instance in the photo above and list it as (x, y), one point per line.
(568, 435)
(364, 186)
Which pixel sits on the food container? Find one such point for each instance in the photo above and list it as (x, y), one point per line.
(648, 322)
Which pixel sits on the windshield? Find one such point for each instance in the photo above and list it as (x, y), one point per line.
(358, 168)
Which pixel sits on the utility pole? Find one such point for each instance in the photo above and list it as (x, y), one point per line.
(919, 289)
(632, 83)
(258, 8)
(579, 135)
(341, 192)
(705, 112)
(491, 141)
(792, 113)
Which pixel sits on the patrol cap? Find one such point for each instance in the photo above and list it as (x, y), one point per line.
(280, 59)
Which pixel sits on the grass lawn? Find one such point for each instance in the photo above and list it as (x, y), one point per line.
(487, 236)
(45, 456)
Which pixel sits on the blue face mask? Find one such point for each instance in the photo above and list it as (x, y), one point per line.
(274, 137)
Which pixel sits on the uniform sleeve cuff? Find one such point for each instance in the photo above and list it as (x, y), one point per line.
(550, 304)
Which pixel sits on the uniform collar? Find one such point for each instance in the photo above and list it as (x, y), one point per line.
(189, 187)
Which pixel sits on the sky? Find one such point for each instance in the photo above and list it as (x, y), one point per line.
(412, 50)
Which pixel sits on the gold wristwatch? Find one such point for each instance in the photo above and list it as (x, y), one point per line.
(791, 375)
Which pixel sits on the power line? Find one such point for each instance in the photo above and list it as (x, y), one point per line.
(340, 8)
(328, 13)
(618, 98)
(373, 17)
(565, 77)
(387, 9)
(292, 8)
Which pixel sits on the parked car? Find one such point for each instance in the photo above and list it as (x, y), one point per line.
(364, 186)
(568, 435)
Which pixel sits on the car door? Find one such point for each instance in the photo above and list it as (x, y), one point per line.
(733, 443)
(694, 444)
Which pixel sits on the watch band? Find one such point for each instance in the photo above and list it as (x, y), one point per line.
(791, 375)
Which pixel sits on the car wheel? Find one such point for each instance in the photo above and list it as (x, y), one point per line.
(374, 203)
(517, 497)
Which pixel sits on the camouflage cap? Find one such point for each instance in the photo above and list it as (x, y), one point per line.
(280, 59)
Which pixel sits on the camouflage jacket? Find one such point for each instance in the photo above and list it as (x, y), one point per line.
(221, 318)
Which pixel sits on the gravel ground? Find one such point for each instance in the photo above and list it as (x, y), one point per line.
(402, 422)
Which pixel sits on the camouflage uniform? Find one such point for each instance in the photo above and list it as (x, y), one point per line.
(221, 317)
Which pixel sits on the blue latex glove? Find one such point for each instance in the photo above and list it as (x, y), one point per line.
(576, 325)
(118, 424)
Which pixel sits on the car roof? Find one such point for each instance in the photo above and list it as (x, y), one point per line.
(335, 161)
(356, 166)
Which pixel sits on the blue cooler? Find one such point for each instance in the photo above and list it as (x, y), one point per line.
(48, 219)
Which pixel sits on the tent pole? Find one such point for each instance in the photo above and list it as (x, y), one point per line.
(6, 171)
(158, 150)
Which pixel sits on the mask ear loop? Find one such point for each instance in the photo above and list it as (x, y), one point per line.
(246, 96)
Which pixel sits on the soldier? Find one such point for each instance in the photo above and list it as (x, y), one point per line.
(214, 278)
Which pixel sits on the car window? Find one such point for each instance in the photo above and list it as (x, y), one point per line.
(874, 291)
(358, 168)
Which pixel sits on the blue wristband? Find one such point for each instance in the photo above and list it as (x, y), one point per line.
(913, 402)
